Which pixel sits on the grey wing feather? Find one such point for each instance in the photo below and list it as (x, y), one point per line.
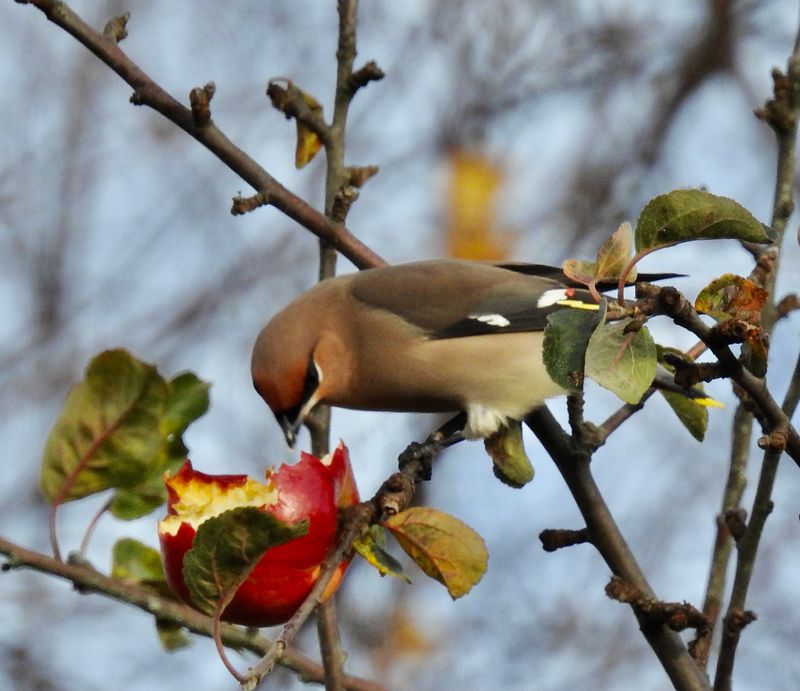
(471, 299)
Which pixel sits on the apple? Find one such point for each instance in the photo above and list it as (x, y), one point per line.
(312, 489)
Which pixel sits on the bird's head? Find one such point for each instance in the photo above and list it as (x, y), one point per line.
(285, 374)
(298, 363)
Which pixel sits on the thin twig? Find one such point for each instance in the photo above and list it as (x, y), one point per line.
(292, 102)
(622, 414)
(394, 495)
(605, 535)
(741, 432)
(670, 302)
(336, 182)
(748, 548)
(781, 113)
(88, 580)
(149, 93)
(792, 397)
(331, 649)
(675, 615)
(737, 617)
(292, 627)
(558, 538)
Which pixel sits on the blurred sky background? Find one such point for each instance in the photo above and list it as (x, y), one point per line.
(115, 231)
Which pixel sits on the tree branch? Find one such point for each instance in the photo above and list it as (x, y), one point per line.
(339, 196)
(149, 93)
(741, 432)
(737, 617)
(675, 615)
(604, 534)
(88, 580)
(781, 113)
(292, 103)
(668, 301)
(394, 495)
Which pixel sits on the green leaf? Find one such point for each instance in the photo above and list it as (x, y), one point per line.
(225, 550)
(130, 503)
(615, 254)
(188, 400)
(624, 363)
(511, 464)
(108, 432)
(683, 215)
(171, 635)
(692, 415)
(371, 546)
(442, 546)
(691, 410)
(137, 563)
(121, 428)
(565, 340)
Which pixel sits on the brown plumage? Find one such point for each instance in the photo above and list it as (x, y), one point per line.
(434, 336)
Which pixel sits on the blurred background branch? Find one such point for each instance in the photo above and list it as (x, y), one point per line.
(563, 118)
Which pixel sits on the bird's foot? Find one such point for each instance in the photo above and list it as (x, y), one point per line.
(422, 454)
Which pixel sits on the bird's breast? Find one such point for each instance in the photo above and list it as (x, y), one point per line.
(500, 372)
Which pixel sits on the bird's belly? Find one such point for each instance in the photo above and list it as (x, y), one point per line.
(501, 372)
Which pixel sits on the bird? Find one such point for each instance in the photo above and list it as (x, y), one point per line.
(432, 336)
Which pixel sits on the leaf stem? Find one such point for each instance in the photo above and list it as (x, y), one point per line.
(623, 276)
(217, 631)
(91, 528)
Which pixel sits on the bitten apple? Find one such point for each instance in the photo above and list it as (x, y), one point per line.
(312, 490)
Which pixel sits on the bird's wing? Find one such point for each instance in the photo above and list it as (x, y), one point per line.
(556, 274)
(454, 299)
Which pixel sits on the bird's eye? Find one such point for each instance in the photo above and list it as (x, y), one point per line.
(291, 418)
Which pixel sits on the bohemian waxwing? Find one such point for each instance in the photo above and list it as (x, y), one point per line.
(430, 336)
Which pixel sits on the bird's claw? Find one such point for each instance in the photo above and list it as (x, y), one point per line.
(421, 453)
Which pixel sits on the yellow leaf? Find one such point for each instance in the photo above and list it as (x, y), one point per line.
(442, 546)
(372, 547)
(308, 143)
(471, 230)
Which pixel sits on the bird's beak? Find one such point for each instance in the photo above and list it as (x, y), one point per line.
(289, 424)
(290, 420)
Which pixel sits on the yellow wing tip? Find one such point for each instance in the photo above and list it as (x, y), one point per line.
(708, 402)
(577, 304)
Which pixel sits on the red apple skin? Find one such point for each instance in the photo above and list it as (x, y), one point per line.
(308, 490)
